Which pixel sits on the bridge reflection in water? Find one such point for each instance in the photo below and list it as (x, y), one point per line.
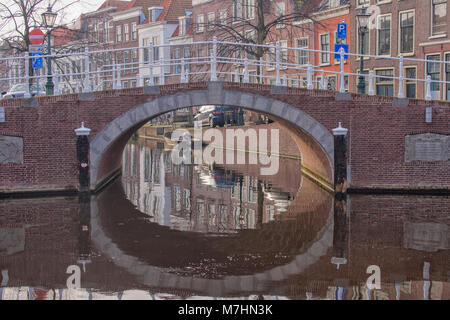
(178, 231)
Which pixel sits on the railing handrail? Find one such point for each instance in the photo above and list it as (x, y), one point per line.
(276, 61)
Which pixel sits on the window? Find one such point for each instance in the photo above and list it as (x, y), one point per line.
(237, 10)
(95, 33)
(134, 31)
(118, 33)
(331, 83)
(325, 46)
(126, 32)
(283, 53)
(222, 17)
(176, 57)
(187, 55)
(134, 59)
(210, 22)
(106, 32)
(447, 76)
(302, 56)
(155, 41)
(410, 85)
(271, 57)
(249, 9)
(154, 13)
(363, 2)
(434, 70)
(384, 82)
(145, 44)
(200, 23)
(438, 16)
(407, 32)
(126, 59)
(384, 35)
(280, 10)
(119, 58)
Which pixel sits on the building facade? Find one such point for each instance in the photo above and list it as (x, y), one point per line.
(418, 29)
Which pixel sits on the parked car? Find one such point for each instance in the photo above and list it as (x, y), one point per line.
(18, 91)
(216, 115)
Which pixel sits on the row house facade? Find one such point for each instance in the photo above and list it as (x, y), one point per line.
(418, 29)
(211, 17)
(159, 29)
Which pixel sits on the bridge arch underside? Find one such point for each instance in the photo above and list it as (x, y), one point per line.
(314, 141)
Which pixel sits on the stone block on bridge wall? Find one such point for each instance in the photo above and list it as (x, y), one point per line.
(11, 149)
(427, 147)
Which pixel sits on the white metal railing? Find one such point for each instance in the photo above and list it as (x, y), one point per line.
(213, 60)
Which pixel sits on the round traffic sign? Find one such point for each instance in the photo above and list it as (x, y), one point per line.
(36, 36)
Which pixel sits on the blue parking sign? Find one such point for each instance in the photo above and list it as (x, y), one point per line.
(337, 48)
(341, 31)
(36, 60)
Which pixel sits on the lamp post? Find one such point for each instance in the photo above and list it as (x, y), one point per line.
(363, 21)
(49, 18)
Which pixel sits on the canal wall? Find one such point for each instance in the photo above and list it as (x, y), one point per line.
(392, 144)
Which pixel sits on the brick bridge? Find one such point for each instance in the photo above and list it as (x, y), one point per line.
(391, 145)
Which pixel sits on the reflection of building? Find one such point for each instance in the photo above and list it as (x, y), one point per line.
(197, 198)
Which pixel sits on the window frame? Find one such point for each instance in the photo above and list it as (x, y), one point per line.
(400, 32)
(321, 63)
(406, 82)
(378, 35)
(389, 82)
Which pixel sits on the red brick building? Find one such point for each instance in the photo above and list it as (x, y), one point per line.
(418, 29)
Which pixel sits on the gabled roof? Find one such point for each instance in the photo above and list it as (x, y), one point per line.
(145, 4)
(113, 3)
(172, 10)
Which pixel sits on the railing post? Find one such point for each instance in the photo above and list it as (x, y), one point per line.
(57, 92)
(27, 76)
(119, 81)
(428, 96)
(114, 82)
(277, 63)
(87, 83)
(98, 78)
(341, 72)
(138, 80)
(162, 73)
(182, 76)
(260, 70)
(371, 92)
(246, 75)
(214, 60)
(151, 81)
(322, 80)
(401, 93)
(310, 85)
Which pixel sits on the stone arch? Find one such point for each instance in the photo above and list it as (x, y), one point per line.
(106, 147)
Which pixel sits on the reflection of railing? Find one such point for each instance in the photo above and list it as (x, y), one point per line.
(218, 60)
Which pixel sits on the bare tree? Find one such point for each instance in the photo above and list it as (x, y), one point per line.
(255, 22)
(19, 17)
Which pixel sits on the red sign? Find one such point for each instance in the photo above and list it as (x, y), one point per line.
(36, 36)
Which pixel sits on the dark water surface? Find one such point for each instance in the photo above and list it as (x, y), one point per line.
(166, 231)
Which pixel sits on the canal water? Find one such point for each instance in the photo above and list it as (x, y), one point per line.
(167, 231)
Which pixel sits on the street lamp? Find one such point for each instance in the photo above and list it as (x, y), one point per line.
(49, 18)
(363, 21)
